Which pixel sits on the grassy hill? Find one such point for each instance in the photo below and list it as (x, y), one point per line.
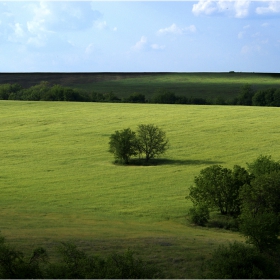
(58, 183)
(205, 85)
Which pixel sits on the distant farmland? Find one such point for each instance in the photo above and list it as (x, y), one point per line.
(204, 85)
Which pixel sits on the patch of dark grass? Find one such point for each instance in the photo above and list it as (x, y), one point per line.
(164, 161)
(223, 222)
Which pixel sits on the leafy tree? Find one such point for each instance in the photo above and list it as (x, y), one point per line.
(163, 96)
(218, 188)
(151, 141)
(111, 97)
(197, 100)
(123, 145)
(260, 215)
(56, 93)
(136, 98)
(240, 261)
(276, 98)
(245, 95)
(263, 165)
(36, 92)
(97, 97)
(267, 97)
(6, 90)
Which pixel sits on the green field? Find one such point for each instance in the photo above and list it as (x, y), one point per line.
(204, 85)
(58, 182)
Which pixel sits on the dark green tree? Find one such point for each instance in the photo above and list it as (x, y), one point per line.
(163, 96)
(151, 141)
(123, 144)
(218, 188)
(14, 265)
(245, 95)
(136, 98)
(260, 211)
(263, 165)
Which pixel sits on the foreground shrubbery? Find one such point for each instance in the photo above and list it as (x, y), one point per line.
(232, 261)
(240, 261)
(72, 264)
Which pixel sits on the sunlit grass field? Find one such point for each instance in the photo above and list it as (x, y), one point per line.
(58, 182)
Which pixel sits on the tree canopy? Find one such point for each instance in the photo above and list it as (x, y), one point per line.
(218, 188)
(149, 141)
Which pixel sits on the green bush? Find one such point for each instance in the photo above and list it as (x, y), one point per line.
(199, 215)
(239, 261)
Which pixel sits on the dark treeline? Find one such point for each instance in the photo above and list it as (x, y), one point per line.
(72, 263)
(247, 96)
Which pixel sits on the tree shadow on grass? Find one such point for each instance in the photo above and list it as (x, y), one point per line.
(165, 161)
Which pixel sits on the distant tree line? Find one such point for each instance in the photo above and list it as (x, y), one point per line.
(247, 96)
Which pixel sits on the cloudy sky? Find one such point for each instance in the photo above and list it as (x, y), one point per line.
(140, 36)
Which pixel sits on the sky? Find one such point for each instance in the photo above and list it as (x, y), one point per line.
(140, 36)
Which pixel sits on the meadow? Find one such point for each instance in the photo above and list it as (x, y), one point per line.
(58, 181)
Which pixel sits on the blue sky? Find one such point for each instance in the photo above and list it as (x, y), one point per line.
(140, 36)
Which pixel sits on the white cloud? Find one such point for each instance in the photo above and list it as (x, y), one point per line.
(272, 7)
(236, 8)
(61, 16)
(174, 29)
(101, 25)
(18, 30)
(18, 33)
(89, 49)
(241, 8)
(140, 45)
(240, 34)
(247, 49)
(157, 47)
(204, 7)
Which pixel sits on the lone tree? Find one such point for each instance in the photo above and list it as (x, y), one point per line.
(123, 145)
(151, 141)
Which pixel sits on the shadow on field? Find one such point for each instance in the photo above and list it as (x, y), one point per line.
(165, 161)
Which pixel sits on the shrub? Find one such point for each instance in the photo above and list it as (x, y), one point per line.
(239, 261)
(199, 215)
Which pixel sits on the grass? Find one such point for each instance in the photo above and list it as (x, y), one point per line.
(57, 180)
